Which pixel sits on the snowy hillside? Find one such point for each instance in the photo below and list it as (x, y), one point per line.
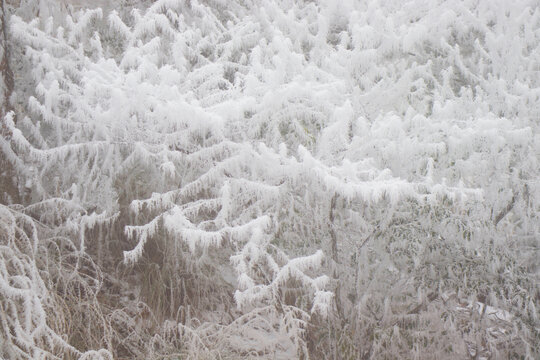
(284, 179)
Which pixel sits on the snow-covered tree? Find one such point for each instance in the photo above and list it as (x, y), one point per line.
(271, 179)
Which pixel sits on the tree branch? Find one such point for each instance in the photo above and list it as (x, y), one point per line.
(505, 211)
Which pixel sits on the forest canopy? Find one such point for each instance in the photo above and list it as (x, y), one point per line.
(282, 179)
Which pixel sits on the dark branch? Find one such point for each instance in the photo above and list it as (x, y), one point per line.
(505, 211)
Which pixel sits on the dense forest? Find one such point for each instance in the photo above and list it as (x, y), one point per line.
(280, 179)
